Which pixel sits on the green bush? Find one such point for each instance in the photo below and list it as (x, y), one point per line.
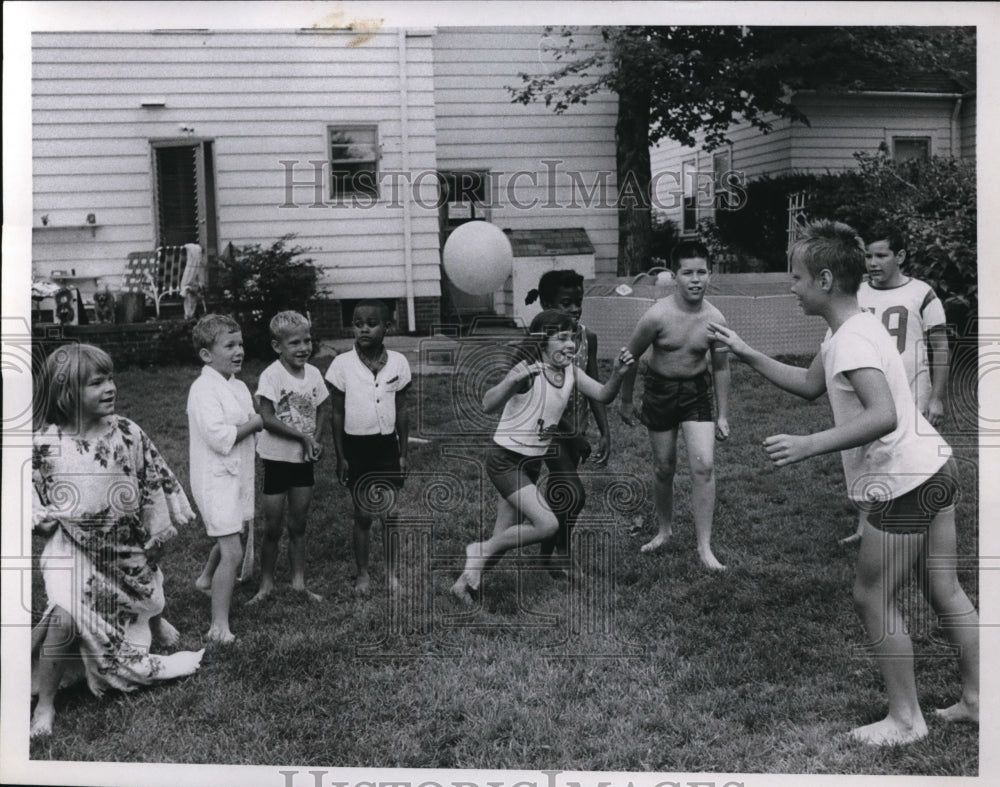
(255, 282)
(933, 202)
(759, 229)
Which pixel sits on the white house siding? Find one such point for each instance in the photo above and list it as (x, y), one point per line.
(262, 97)
(840, 126)
(479, 128)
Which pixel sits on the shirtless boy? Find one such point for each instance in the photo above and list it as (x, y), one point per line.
(678, 394)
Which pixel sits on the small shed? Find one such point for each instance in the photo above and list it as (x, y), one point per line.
(537, 251)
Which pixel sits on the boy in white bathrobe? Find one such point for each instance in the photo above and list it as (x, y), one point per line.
(221, 417)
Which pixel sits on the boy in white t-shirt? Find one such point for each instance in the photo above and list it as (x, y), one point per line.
(368, 388)
(290, 395)
(898, 469)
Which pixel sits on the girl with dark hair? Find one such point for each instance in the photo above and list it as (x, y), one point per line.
(533, 396)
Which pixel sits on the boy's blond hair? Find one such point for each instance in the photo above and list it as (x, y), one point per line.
(833, 246)
(209, 327)
(285, 322)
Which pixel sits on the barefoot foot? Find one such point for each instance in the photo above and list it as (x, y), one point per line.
(362, 585)
(216, 636)
(960, 711)
(460, 590)
(394, 586)
(41, 721)
(889, 732)
(475, 561)
(312, 598)
(164, 633)
(656, 544)
(711, 562)
(261, 594)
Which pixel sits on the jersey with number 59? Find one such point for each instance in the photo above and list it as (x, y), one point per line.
(908, 312)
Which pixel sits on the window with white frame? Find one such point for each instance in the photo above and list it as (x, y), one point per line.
(465, 197)
(353, 161)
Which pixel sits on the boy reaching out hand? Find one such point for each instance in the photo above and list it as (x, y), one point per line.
(898, 469)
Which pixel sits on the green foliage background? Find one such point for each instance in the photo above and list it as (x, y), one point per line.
(255, 282)
(932, 202)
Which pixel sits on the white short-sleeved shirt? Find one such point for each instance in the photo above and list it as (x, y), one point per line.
(369, 399)
(908, 312)
(295, 401)
(530, 419)
(222, 470)
(906, 457)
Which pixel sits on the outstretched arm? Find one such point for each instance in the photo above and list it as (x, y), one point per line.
(592, 389)
(878, 418)
(807, 383)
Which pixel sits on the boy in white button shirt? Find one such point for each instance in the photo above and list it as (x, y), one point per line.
(290, 396)
(368, 388)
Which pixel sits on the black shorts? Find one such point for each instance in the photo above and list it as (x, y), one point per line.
(372, 467)
(913, 512)
(667, 402)
(510, 471)
(279, 477)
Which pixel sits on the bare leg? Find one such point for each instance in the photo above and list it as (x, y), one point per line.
(542, 524)
(274, 512)
(223, 582)
(664, 445)
(362, 547)
(299, 498)
(204, 581)
(566, 496)
(507, 516)
(699, 436)
(884, 564)
(55, 650)
(955, 613)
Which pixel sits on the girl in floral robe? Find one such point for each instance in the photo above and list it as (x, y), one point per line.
(108, 503)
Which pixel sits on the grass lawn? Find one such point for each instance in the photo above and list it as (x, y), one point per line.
(649, 664)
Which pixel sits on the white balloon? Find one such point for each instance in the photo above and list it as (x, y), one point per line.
(478, 257)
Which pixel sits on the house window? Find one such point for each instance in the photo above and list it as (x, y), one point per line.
(464, 197)
(353, 161)
(911, 149)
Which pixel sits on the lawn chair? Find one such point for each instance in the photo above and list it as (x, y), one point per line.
(157, 273)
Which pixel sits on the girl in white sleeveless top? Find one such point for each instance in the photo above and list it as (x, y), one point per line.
(532, 395)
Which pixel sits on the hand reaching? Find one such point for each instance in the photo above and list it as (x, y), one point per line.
(728, 337)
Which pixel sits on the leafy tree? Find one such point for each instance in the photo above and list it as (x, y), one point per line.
(677, 82)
